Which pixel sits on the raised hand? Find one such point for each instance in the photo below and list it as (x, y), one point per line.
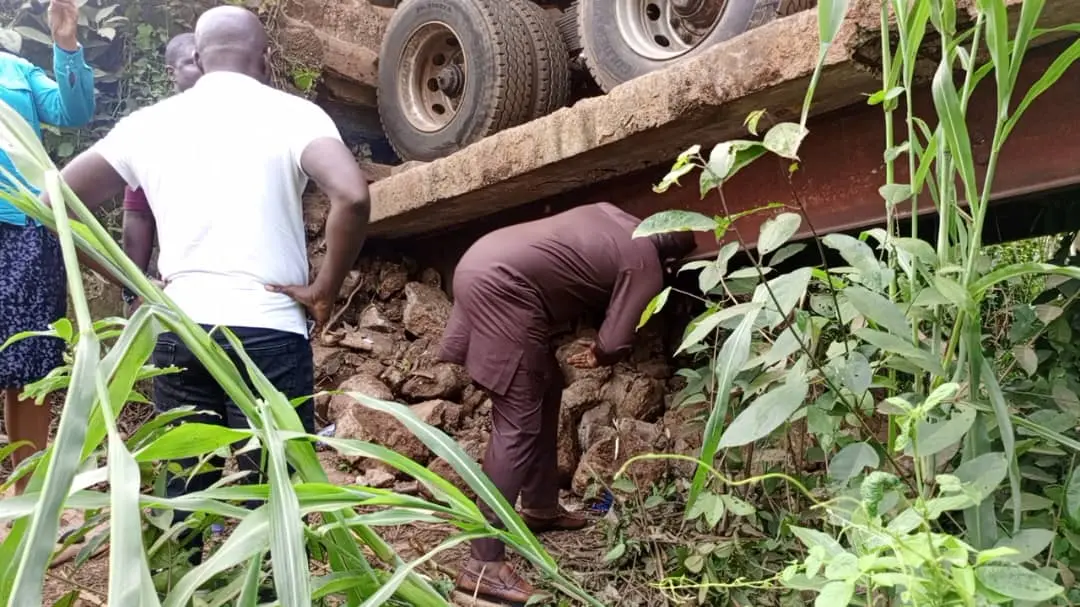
(64, 24)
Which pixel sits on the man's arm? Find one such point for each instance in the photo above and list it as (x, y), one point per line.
(334, 169)
(139, 228)
(632, 293)
(94, 181)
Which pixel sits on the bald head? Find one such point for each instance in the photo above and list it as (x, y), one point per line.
(231, 39)
(180, 61)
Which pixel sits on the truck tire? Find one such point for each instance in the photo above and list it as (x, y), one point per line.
(452, 72)
(624, 39)
(551, 61)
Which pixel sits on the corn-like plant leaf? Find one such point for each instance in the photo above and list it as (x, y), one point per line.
(951, 114)
(391, 585)
(1057, 69)
(733, 355)
(190, 440)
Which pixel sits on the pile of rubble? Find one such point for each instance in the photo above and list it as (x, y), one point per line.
(384, 343)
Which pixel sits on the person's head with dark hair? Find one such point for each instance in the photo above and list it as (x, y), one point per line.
(180, 62)
(232, 39)
(673, 246)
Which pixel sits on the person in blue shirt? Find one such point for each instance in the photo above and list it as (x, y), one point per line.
(33, 289)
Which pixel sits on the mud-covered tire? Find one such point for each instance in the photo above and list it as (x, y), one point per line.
(498, 82)
(611, 58)
(551, 61)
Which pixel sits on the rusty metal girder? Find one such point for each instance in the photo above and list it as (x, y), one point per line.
(841, 170)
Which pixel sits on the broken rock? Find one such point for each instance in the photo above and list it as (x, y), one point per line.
(569, 453)
(442, 414)
(364, 424)
(631, 438)
(426, 310)
(443, 380)
(594, 425)
(373, 319)
(582, 395)
(635, 396)
(364, 384)
(392, 279)
(378, 345)
(377, 478)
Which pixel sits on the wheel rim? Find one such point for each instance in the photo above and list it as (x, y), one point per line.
(662, 30)
(432, 80)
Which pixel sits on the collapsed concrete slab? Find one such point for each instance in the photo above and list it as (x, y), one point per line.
(648, 121)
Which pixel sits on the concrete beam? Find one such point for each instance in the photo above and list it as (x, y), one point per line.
(647, 122)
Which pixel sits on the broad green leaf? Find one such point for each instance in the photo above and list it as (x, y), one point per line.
(982, 475)
(784, 139)
(786, 253)
(851, 460)
(919, 249)
(1029, 502)
(1017, 583)
(891, 344)
(655, 305)
(955, 293)
(1027, 359)
(751, 122)
(1072, 496)
(785, 291)
(813, 537)
(766, 413)
(1027, 544)
(856, 373)
(776, 231)
(879, 310)
(674, 221)
(895, 193)
(933, 438)
(706, 325)
(860, 256)
(730, 157)
(737, 506)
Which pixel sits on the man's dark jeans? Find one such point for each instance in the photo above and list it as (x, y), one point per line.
(284, 358)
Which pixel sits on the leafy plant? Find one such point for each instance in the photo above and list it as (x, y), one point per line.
(883, 359)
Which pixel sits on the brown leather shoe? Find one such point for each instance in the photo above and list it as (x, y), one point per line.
(559, 520)
(495, 581)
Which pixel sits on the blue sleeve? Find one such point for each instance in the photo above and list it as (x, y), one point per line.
(68, 101)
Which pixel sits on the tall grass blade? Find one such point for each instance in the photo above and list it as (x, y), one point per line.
(1005, 428)
(390, 586)
(733, 355)
(63, 458)
(287, 552)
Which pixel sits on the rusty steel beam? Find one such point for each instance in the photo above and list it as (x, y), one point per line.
(841, 170)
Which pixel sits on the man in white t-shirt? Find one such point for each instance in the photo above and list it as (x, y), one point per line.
(224, 166)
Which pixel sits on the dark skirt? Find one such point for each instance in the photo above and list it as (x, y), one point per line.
(33, 295)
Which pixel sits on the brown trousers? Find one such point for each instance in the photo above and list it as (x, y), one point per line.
(522, 455)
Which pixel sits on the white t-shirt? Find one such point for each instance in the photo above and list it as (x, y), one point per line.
(220, 167)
